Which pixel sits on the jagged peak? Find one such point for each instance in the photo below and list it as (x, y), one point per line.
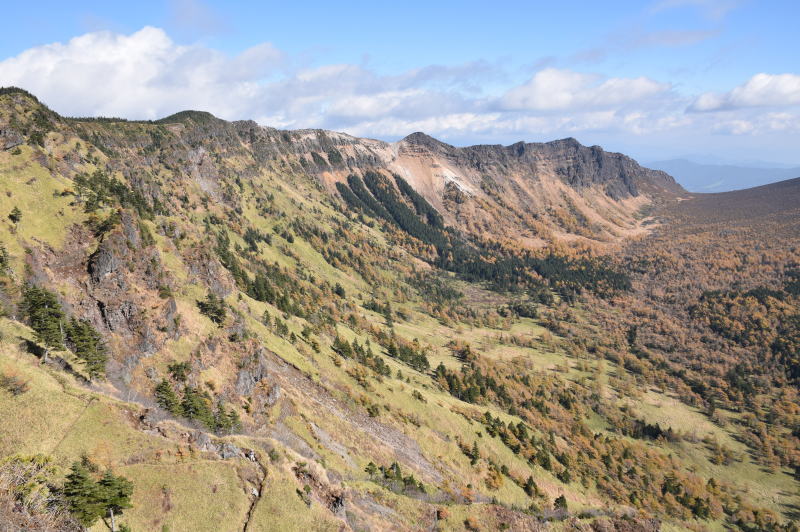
(566, 140)
(423, 139)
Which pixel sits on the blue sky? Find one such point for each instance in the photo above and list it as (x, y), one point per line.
(656, 79)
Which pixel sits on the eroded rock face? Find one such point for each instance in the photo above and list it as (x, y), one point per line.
(525, 191)
(130, 229)
(208, 269)
(224, 450)
(109, 270)
(103, 262)
(253, 372)
(577, 165)
(10, 138)
(117, 315)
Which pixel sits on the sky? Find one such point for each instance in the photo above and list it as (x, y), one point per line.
(658, 79)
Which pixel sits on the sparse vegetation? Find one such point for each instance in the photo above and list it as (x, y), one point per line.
(214, 308)
(500, 384)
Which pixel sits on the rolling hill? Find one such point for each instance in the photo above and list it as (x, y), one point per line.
(698, 177)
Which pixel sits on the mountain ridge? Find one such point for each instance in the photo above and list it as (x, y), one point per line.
(536, 193)
(274, 330)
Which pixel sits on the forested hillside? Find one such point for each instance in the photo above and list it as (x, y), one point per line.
(210, 325)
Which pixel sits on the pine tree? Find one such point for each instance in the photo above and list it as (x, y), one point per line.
(339, 290)
(214, 308)
(88, 345)
(43, 312)
(82, 495)
(475, 454)
(114, 495)
(226, 422)
(543, 457)
(195, 405)
(560, 503)
(342, 347)
(234, 421)
(530, 487)
(168, 399)
(15, 216)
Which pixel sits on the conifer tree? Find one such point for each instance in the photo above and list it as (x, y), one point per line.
(82, 495)
(225, 422)
(15, 216)
(342, 347)
(168, 399)
(339, 290)
(88, 500)
(560, 503)
(88, 345)
(195, 405)
(530, 487)
(114, 495)
(475, 454)
(43, 312)
(214, 308)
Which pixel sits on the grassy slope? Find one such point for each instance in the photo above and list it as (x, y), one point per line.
(183, 491)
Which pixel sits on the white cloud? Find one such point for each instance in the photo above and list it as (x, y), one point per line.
(734, 127)
(762, 90)
(146, 74)
(759, 124)
(554, 89)
(142, 75)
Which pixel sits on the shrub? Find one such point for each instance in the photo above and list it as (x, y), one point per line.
(13, 384)
(15, 215)
(214, 308)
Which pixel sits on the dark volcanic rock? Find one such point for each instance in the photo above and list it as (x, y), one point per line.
(253, 372)
(103, 262)
(130, 229)
(10, 138)
(577, 165)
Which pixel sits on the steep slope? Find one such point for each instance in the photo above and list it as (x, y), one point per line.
(279, 359)
(567, 188)
(531, 193)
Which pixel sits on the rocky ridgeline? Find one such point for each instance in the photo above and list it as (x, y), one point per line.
(536, 190)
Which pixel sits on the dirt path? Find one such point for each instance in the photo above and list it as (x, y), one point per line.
(262, 485)
(72, 425)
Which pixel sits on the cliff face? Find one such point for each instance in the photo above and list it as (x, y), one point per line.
(576, 165)
(535, 193)
(366, 387)
(530, 193)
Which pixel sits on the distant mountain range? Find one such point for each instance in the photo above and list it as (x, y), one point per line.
(699, 177)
